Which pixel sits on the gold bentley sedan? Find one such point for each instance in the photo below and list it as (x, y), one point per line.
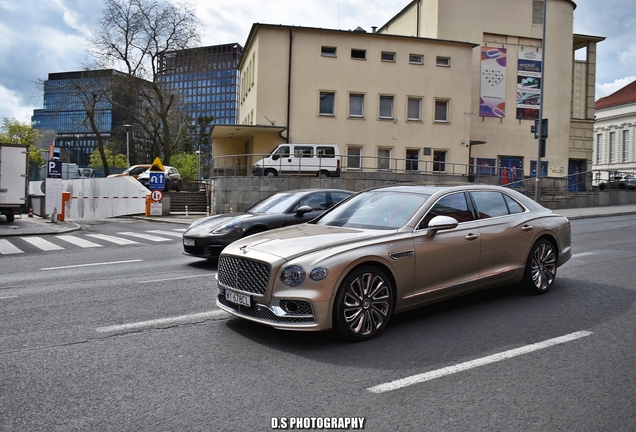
(390, 249)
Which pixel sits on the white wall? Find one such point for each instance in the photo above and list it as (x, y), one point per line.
(104, 197)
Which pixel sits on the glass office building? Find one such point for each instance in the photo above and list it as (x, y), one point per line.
(208, 79)
(65, 112)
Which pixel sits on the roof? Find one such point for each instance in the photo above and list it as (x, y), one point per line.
(626, 95)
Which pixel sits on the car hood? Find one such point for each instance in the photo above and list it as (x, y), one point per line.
(291, 242)
(205, 225)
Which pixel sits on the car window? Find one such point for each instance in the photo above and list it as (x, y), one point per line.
(283, 151)
(490, 204)
(453, 205)
(336, 197)
(317, 201)
(513, 206)
(278, 203)
(303, 151)
(375, 210)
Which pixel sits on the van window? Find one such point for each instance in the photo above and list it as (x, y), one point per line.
(303, 151)
(282, 151)
(325, 151)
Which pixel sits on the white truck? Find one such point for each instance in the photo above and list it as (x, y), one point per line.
(14, 163)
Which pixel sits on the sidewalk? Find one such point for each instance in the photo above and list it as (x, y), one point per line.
(39, 226)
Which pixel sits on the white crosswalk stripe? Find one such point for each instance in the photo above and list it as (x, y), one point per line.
(112, 239)
(145, 236)
(7, 248)
(168, 233)
(77, 241)
(41, 243)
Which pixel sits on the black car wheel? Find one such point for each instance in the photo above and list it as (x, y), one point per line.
(364, 304)
(541, 267)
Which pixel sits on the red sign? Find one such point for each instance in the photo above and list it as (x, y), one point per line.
(156, 195)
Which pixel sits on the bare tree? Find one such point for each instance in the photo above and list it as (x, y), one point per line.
(134, 36)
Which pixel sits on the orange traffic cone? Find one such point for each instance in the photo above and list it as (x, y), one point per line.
(30, 211)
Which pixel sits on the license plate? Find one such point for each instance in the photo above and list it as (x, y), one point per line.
(188, 242)
(234, 297)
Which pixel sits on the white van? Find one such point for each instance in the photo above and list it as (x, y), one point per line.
(321, 160)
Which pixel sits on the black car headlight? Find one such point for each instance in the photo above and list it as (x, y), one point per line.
(226, 228)
(292, 276)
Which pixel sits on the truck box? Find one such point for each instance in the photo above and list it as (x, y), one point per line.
(14, 163)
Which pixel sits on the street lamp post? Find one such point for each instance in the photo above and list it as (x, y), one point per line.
(127, 127)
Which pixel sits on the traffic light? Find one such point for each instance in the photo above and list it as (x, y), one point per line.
(544, 129)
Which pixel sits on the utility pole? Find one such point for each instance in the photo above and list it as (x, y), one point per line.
(540, 132)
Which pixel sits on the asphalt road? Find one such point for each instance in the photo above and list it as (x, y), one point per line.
(123, 337)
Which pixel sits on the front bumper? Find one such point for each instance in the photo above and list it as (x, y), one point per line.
(286, 314)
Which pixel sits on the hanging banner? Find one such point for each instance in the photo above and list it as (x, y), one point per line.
(492, 102)
(528, 85)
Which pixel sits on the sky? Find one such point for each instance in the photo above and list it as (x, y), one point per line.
(38, 37)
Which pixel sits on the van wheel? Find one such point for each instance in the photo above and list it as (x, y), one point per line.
(271, 173)
(10, 217)
(322, 174)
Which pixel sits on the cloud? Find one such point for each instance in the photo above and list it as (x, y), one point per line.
(607, 89)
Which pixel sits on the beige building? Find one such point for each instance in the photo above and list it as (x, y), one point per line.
(441, 85)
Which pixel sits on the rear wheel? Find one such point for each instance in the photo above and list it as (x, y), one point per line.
(541, 267)
(270, 173)
(322, 174)
(10, 216)
(364, 304)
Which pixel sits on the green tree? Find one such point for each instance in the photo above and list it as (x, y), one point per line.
(113, 160)
(14, 132)
(186, 163)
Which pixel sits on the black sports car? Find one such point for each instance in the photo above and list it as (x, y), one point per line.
(206, 237)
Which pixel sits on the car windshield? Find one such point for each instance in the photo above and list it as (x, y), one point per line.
(375, 210)
(278, 203)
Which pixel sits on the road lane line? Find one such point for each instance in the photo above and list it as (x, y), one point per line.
(40, 243)
(8, 297)
(113, 239)
(168, 233)
(177, 278)
(427, 376)
(161, 321)
(145, 236)
(7, 248)
(77, 241)
(92, 264)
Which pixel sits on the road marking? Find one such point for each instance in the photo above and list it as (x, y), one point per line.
(181, 229)
(427, 376)
(39, 242)
(77, 241)
(145, 236)
(177, 278)
(91, 264)
(160, 321)
(7, 248)
(168, 233)
(583, 254)
(112, 239)
(8, 297)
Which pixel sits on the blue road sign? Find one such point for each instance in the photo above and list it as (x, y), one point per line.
(157, 180)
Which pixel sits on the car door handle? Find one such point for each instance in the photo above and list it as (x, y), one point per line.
(527, 228)
(471, 236)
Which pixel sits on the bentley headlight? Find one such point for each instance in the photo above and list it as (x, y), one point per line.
(318, 274)
(226, 228)
(293, 276)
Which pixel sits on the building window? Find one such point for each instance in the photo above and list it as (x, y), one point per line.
(328, 51)
(537, 12)
(439, 160)
(414, 109)
(358, 54)
(386, 107)
(388, 56)
(412, 159)
(625, 146)
(384, 159)
(443, 61)
(356, 105)
(416, 59)
(441, 111)
(612, 147)
(327, 102)
(599, 148)
(354, 157)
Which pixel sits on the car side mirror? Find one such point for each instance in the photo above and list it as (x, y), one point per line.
(300, 211)
(439, 223)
